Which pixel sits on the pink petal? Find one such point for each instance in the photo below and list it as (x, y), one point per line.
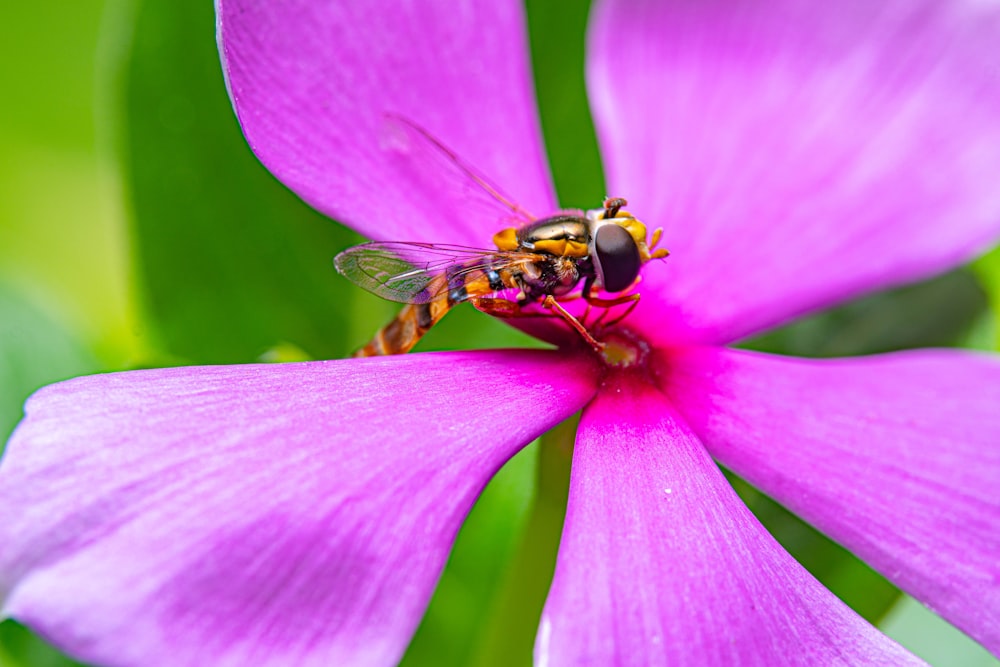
(662, 564)
(797, 153)
(293, 514)
(897, 457)
(313, 82)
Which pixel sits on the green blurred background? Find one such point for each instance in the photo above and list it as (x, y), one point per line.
(136, 230)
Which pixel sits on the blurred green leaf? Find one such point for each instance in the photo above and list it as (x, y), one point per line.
(35, 350)
(983, 335)
(930, 637)
(48, 55)
(19, 647)
(987, 268)
(557, 32)
(473, 577)
(938, 312)
(59, 232)
(230, 263)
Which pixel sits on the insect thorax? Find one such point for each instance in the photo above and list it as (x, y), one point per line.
(563, 235)
(553, 276)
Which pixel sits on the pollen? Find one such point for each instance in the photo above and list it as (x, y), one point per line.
(621, 350)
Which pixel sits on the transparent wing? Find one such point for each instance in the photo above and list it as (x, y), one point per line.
(416, 272)
(452, 179)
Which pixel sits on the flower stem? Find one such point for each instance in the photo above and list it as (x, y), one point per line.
(509, 636)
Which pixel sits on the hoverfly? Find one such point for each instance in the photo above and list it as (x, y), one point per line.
(541, 261)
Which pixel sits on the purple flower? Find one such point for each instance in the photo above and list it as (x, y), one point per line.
(797, 153)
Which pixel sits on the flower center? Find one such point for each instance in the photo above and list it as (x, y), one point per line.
(621, 349)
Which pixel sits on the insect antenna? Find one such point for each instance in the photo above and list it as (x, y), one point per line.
(612, 205)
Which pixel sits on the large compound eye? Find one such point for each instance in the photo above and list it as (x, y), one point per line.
(616, 257)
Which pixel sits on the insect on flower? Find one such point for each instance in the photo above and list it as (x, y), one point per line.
(541, 261)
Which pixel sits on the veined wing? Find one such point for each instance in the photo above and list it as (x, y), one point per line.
(421, 272)
(452, 179)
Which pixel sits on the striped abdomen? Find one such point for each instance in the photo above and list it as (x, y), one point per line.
(415, 319)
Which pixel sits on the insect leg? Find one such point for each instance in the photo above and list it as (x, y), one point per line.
(607, 304)
(504, 308)
(553, 305)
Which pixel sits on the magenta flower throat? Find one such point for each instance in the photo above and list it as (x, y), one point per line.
(797, 155)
